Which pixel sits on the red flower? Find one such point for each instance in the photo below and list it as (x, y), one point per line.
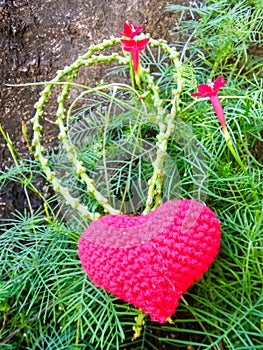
(207, 90)
(210, 90)
(130, 30)
(134, 46)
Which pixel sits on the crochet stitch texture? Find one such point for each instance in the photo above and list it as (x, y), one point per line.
(151, 260)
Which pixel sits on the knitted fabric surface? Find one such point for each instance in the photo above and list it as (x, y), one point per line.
(151, 260)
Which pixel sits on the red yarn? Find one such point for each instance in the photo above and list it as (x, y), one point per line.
(151, 260)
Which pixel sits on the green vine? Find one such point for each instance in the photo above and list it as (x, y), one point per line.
(165, 116)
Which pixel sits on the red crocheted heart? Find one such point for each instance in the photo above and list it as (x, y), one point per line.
(151, 260)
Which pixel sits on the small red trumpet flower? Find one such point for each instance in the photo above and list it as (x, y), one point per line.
(134, 46)
(210, 90)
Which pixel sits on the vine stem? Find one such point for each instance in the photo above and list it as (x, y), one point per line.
(165, 124)
(166, 127)
(80, 170)
(69, 73)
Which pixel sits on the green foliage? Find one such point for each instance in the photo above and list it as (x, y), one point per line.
(46, 300)
(225, 34)
(44, 291)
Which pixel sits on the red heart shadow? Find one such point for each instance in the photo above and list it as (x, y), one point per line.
(151, 260)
